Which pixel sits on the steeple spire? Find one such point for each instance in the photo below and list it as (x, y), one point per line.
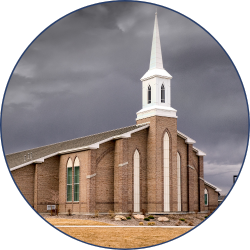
(156, 56)
(156, 84)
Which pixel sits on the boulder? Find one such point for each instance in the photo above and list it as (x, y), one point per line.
(162, 219)
(120, 217)
(138, 216)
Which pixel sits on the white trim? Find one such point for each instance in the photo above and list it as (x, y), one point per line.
(127, 226)
(188, 140)
(156, 110)
(90, 176)
(179, 181)
(136, 181)
(199, 152)
(145, 123)
(122, 164)
(166, 177)
(92, 146)
(211, 185)
(191, 167)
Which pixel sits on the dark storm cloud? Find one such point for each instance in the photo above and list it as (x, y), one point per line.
(82, 76)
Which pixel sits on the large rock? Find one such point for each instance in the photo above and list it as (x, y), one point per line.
(161, 219)
(120, 217)
(138, 216)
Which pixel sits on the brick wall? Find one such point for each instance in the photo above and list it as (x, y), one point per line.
(47, 183)
(158, 127)
(212, 199)
(24, 178)
(105, 178)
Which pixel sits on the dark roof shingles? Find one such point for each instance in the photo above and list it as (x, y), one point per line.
(16, 159)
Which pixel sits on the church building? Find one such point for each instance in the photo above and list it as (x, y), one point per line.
(148, 166)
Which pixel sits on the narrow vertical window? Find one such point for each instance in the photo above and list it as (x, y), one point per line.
(162, 93)
(166, 172)
(136, 181)
(179, 181)
(149, 94)
(206, 197)
(76, 179)
(69, 180)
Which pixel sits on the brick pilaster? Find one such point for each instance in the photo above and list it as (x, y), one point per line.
(91, 170)
(121, 176)
(190, 178)
(201, 185)
(35, 187)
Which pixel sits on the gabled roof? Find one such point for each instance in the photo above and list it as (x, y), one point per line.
(16, 160)
(216, 189)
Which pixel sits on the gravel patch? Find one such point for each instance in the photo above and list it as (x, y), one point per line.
(174, 220)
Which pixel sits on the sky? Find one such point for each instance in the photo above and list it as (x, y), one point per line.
(82, 76)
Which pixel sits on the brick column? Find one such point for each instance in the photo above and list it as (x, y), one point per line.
(190, 178)
(35, 187)
(201, 184)
(91, 171)
(121, 176)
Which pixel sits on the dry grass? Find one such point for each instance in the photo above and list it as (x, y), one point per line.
(75, 222)
(124, 237)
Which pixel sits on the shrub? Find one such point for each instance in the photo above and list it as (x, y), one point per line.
(141, 224)
(190, 223)
(177, 223)
(69, 212)
(205, 216)
(143, 211)
(147, 219)
(151, 223)
(96, 213)
(130, 213)
(181, 219)
(151, 217)
(128, 218)
(111, 214)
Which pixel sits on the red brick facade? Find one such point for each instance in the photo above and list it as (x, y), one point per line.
(107, 175)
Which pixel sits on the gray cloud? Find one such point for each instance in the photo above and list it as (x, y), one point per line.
(82, 76)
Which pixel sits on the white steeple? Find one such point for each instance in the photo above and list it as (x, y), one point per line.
(156, 84)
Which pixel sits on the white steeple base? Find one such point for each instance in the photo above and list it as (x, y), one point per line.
(156, 110)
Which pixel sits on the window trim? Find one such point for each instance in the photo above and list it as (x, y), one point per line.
(69, 167)
(163, 94)
(149, 94)
(206, 197)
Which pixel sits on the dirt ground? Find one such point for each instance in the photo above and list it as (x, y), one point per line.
(123, 237)
(114, 237)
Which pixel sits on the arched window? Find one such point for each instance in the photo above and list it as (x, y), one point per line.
(166, 172)
(149, 94)
(162, 93)
(179, 181)
(206, 197)
(76, 179)
(136, 181)
(69, 180)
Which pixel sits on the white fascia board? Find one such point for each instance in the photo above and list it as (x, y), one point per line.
(40, 160)
(126, 135)
(199, 152)
(188, 140)
(92, 146)
(211, 185)
(36, 161)
(151, 73)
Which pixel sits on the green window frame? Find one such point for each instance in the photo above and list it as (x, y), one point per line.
(76, 183)
(206, 197)
(69, 184)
